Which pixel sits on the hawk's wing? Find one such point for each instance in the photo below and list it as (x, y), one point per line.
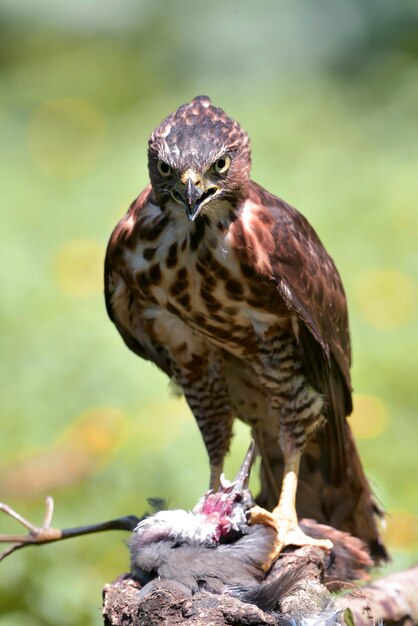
(121, 298)
(310, 285)
(308, 281)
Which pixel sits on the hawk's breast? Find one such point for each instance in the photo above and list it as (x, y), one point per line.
(192, 271)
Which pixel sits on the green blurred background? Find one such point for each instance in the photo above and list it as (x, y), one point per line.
(328, 91)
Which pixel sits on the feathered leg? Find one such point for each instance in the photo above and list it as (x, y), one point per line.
(205, 390)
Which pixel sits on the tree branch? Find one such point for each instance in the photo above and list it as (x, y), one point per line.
(393, 600)
(46, 534)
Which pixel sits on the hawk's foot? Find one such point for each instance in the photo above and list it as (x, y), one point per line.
(288, 532)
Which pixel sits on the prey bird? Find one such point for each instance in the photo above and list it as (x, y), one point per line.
(214, 548)
(230, 292)
(211, 548)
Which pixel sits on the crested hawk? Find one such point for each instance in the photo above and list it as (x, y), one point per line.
(230, 292)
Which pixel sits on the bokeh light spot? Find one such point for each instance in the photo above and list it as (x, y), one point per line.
(98, 430)
(370, 417)
(66, 137)
(162, 422)
(387, 298)
(401, 531)
(78, 268)
(78, 452)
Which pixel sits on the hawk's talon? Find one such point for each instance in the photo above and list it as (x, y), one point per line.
(258, 515)
(288, 533)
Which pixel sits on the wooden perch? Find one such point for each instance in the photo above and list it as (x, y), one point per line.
(168, 604)
(393, 600)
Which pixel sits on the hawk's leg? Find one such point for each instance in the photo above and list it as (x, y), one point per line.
(203, 383)
(298, 409)
(283, 518)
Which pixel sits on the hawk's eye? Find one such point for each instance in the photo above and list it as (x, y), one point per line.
(164, 168)
(222, 164)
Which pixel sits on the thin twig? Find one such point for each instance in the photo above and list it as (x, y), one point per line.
(49, 511)
(46, 534)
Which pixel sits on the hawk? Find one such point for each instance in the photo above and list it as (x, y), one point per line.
(230, 292)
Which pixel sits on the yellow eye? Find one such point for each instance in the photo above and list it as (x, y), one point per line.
(222, 164)
(164, 168)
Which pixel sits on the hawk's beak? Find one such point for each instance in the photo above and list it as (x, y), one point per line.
(193, 193)
(192, 196)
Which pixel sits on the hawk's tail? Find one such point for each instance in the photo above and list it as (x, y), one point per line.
(349, 506)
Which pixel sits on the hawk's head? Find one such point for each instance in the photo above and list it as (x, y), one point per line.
(197, 157)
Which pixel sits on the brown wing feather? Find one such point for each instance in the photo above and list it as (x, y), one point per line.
(309, 283)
